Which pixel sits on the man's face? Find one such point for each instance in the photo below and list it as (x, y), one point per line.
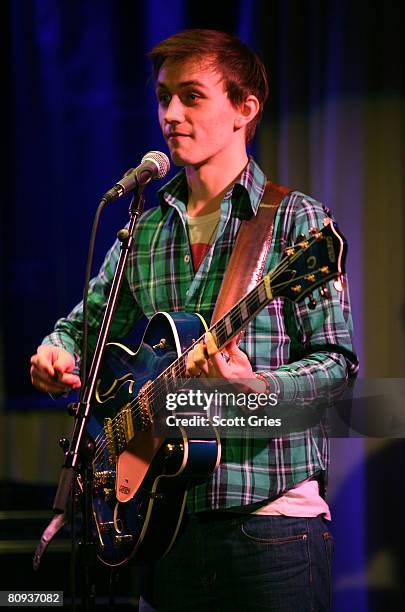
(195, 114)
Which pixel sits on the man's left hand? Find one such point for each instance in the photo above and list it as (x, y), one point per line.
(231, 364)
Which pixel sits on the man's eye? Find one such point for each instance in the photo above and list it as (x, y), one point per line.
(163, 98)
(189, 99)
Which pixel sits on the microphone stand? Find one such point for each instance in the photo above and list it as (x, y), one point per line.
(79, 456)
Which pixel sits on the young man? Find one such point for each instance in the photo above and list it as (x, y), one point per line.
(256, 537)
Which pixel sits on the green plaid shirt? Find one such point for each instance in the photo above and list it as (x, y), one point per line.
(296, 347)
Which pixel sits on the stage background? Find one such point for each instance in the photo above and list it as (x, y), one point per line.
(79, 110)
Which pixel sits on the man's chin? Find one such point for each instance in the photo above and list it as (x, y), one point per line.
(181, 157)
(178, 159)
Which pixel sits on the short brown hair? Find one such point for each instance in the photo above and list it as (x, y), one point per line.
(242, 70)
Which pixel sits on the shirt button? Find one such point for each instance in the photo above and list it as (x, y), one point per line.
(186, 258)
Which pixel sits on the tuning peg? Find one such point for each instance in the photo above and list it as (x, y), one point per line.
(325, 293)
(302, 241)
(289, 251)
(311, 301)
(316, 233)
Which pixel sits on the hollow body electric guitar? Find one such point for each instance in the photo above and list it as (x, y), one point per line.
(140, 479)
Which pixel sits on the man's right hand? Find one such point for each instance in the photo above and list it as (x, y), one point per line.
(51, 370)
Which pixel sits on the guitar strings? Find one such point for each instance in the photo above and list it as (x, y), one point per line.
(178, 367)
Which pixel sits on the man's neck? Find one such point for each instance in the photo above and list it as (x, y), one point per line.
(208, 183)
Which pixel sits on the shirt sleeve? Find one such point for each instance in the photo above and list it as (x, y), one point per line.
(322, 353)
(67, 333)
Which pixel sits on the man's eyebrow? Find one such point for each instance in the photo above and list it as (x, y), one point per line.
(163, 85)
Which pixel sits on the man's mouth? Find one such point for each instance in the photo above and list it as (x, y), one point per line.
(177, 135)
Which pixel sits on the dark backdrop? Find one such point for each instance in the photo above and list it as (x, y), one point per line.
(79, 110)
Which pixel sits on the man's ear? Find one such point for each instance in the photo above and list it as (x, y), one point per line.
(247, 111)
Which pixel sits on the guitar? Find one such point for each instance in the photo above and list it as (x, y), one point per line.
(140, 478)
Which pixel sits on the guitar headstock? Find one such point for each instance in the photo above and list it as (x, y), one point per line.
(311, 263)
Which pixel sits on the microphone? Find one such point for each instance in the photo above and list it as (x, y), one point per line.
(154, 165)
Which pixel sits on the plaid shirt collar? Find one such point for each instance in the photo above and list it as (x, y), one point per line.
(245, 194)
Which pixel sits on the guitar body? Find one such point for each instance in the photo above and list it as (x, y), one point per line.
(140, 479)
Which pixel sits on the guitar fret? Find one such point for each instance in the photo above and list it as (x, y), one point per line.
(261, 293)
(237, 318)
(228, 325)
(220, 334)
(182, 366)
(244, 311)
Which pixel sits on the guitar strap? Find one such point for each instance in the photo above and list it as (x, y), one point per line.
(246, 264)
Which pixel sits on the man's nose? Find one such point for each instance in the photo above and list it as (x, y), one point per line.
(174, 111)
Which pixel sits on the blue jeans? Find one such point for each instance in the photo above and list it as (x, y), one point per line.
(244, 563)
